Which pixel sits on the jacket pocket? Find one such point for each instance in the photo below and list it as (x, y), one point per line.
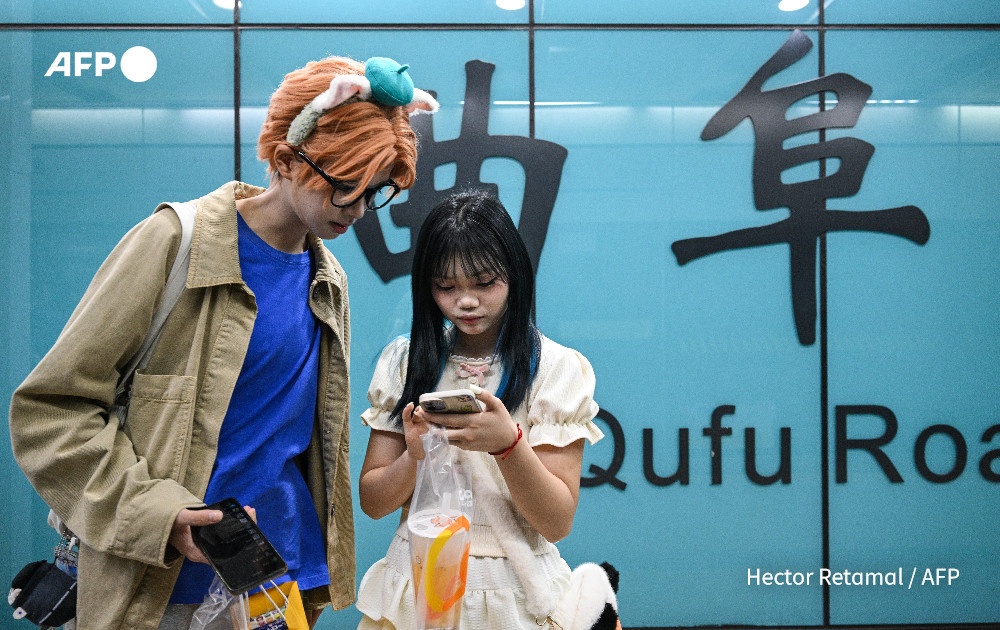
(160, 419)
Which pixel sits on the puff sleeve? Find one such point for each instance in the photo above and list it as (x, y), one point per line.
(387, 386)
(562, 408)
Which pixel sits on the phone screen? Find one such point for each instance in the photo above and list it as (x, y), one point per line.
(236, 548)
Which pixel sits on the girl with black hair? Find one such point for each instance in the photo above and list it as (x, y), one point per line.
(473, 298)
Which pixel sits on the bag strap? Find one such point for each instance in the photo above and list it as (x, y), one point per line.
(176, 283)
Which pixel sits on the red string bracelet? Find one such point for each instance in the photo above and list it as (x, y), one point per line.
(504, 453)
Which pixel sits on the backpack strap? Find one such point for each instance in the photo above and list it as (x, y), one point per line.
(176, 282)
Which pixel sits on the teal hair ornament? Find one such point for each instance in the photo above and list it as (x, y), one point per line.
(391, 83)
(384, 81)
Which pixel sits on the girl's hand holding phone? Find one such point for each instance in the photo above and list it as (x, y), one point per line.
(490, 430)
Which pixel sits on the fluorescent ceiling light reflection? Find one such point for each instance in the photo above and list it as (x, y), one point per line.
(792, 5)
(510, 5)
(228, 5)
(547, 103)
(883, 101)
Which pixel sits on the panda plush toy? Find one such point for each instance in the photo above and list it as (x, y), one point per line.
(590, 602)
(43, 594)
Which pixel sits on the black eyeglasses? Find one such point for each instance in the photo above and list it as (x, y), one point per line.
(377, 196)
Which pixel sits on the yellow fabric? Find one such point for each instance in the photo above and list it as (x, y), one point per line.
(295, 614)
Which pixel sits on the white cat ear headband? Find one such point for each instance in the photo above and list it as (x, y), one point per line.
(384, 81)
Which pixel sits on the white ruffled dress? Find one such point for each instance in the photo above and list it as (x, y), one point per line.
(559, 411)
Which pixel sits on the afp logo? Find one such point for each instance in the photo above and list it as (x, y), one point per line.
(138, 64)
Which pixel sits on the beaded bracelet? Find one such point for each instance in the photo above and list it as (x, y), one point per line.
(504, 453)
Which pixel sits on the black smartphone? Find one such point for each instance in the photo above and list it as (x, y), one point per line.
(236, 548)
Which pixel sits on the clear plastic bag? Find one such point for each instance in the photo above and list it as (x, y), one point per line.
(439, 528)
(220, 604)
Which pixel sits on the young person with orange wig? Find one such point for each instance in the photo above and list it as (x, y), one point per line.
(246, 391)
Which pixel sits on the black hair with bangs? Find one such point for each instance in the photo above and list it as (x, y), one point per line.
(473, 230)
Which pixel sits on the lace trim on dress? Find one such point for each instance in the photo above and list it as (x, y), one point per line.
(473, 369)
(461, 359)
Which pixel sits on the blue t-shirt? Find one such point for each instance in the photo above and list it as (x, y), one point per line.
(270, 419)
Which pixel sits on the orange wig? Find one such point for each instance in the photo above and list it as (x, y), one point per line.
(352, 142)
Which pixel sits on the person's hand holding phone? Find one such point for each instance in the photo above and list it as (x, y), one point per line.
(433, 406)
(237, 550)
(180, 532)
(490, 429)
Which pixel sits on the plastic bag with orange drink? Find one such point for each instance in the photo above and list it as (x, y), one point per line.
(439, 529)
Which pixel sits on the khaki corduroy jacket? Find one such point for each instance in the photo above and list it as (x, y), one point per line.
(120, 490)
